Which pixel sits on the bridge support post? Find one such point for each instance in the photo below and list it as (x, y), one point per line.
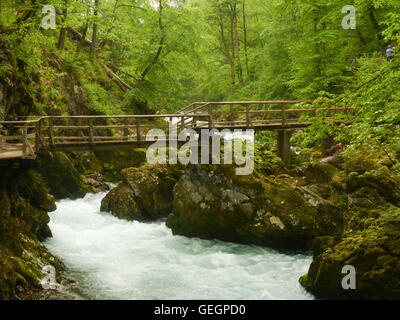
(284, 147)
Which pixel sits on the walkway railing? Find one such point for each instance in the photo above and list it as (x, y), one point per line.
(27, 138)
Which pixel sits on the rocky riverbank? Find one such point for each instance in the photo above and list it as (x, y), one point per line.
(28, 190)
(348, 215)
(24, 203)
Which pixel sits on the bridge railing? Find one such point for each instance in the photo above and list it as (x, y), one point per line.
(259, 113)
(21, 137)
(43, 133)
(93, 130)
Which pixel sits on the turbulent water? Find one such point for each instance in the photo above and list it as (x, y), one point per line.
(114, 259)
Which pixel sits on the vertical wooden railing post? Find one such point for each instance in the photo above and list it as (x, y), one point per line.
(51, 132)
(138, 134)
(38, 137)
(248, 120)
(194, 122)
(266, 113)
(80, 131)
(126, 129)
(284, 120)
(210, 118)
(182, 123)
(231, 114)
(91, 132)
(25, 142)
(1, 142)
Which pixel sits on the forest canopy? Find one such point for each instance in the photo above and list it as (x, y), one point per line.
(164, 54)
(176, 52)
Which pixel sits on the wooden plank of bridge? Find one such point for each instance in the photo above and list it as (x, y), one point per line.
(11, 151)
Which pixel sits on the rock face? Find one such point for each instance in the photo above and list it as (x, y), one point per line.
(24, 203)
(145, 193)
(211, 202)
(370, 241)
(62, 177)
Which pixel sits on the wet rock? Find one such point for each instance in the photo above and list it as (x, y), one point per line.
(145, 194)
(62, 178)
(121, 202)
(23, 223)
(211, 202)
(114, 162)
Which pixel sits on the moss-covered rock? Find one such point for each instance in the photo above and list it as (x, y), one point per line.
(370, 240)
(321, 173)
(212, 202)
(24, 203)
(121, 202)
(374, 252)
(383, 180)
(145, 194)
(61, 177)
(115, 161)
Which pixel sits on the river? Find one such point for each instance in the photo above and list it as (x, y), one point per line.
(113, 259)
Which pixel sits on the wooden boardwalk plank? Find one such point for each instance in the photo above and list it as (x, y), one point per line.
(11, 151)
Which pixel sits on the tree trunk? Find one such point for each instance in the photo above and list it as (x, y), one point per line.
(123, 86)
(94, 35)
(226, 48)
(63, 31)
(82, 40)
(104, 41)
(375, 23)
(79, 35)
(240, 70)
(160, 47)
(233, 74)
(245, 38)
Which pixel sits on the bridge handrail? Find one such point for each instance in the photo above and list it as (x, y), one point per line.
(246, 103)
(47, 132)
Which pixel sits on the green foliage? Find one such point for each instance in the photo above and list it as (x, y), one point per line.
(221, 50)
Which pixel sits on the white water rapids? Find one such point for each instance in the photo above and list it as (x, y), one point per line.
(114, 259)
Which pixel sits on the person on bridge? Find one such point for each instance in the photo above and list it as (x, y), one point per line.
(389, 53)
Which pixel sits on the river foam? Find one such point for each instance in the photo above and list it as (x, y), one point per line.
(114, 259)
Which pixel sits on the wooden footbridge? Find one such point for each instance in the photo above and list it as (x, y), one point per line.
(32, 135)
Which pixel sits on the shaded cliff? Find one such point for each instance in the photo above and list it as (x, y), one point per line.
(24, 203)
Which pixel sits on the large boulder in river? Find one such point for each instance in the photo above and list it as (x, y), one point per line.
(145, 193)
(212, 202)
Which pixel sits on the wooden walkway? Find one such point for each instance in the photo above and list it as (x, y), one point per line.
(72, 133)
